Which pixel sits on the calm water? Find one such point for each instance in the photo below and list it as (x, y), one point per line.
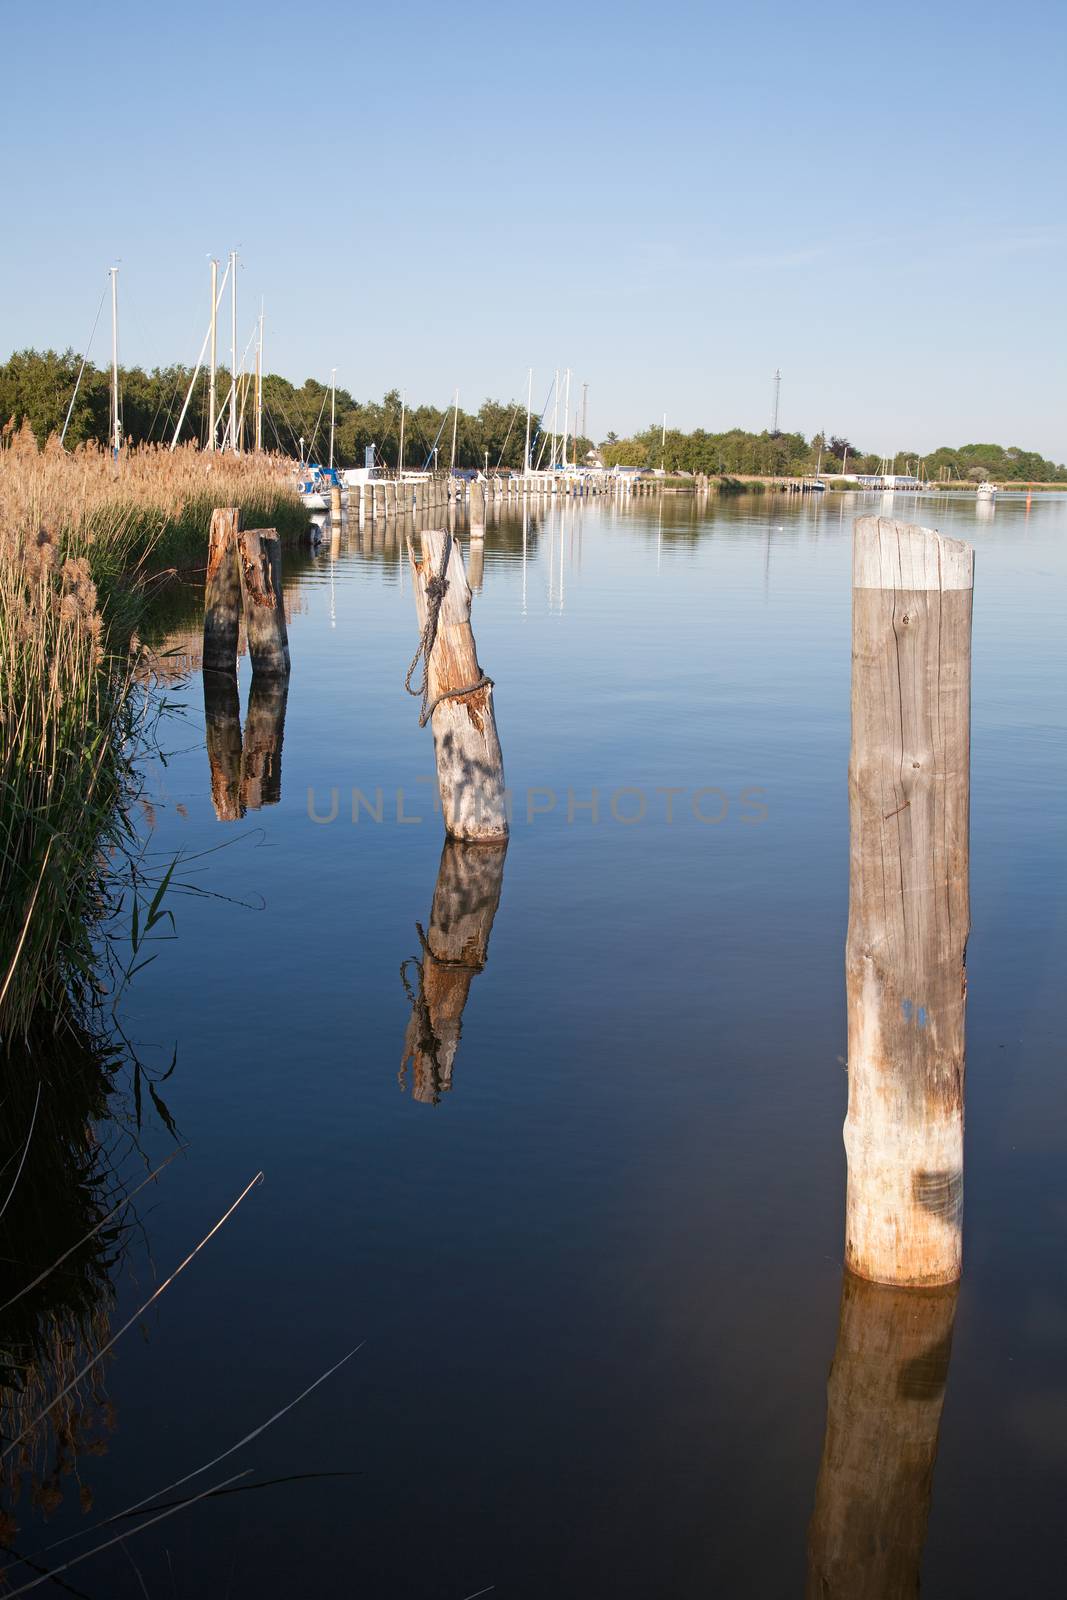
(594, 1263)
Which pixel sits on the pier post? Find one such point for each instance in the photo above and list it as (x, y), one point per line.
(222, 592)
(909, 912)
(457, 696)
(261, 590)
(335, 507)
(477, 512)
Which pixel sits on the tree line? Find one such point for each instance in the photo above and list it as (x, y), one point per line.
(738, 453)
(37, 386)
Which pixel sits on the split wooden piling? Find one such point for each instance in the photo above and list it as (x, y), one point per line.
(454, 951)
(261, 590)
(909, 790)
(222, 592)
(457, 696)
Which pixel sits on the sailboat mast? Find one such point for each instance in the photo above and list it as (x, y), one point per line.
(400, 453)
(663, 446)
(529, 407)
(233, 353)
(555, 418)
(566, 413)
(212, 399)
(333, 408)
(455, 424)
(259, 384)
(116, 439)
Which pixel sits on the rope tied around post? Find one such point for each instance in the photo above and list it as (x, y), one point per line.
(436, 589)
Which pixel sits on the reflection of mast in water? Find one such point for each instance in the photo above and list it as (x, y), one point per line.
(883, 1413)
(465, 900)
(245, 775)
(525, 534)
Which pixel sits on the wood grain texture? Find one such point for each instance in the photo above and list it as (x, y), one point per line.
(454, 950)
(260, 563)
(222, 592)
(883, 1413)
(909, 913)
(470, 767)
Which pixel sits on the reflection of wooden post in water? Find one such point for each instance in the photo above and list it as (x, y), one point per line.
(261, 760)
(222, 717)
(883, 1412)
(464, 905)
(222, 593)
(470, 767)
(909, 786)
(477, 557)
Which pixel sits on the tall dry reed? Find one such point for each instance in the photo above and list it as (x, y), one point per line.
(77, 534)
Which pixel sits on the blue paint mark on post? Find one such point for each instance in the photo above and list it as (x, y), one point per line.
(905, 1006)
(922, 1017)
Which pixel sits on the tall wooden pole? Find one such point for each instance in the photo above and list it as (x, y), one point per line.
(233, 353)
(259, 384)
(470, 767)
(212, 399)
(909, 912)
(116, 424)
(883, 1415)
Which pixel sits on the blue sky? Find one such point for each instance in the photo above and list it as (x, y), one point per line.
(672, 200)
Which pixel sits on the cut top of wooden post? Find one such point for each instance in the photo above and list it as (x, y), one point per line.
(897, 555)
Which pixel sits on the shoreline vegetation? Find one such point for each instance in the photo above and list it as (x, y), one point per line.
(82, 548)
(37, 386)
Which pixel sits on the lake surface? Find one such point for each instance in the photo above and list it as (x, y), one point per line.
(593, 1258)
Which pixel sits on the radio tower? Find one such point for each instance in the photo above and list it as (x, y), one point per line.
(777, 395)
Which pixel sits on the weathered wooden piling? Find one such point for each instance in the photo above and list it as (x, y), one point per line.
(477, 510)
(909, 915)
(222, 593)
(335, 505)
(261, 590)
(454, 951)
(261, 755)
(222, 723)
(457, 697)
(883, 1414)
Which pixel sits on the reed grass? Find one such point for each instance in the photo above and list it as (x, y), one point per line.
(78, 537)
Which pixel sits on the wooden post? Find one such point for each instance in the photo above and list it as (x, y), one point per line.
(477, 511)
(470, 768)
(455, 948)
(335, 506)
(261, 759)
(261, 589)
(222, 593)
(222, 721)
(909, 914)
(883, 1414)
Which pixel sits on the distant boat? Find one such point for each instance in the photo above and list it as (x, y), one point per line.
(986, 491)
